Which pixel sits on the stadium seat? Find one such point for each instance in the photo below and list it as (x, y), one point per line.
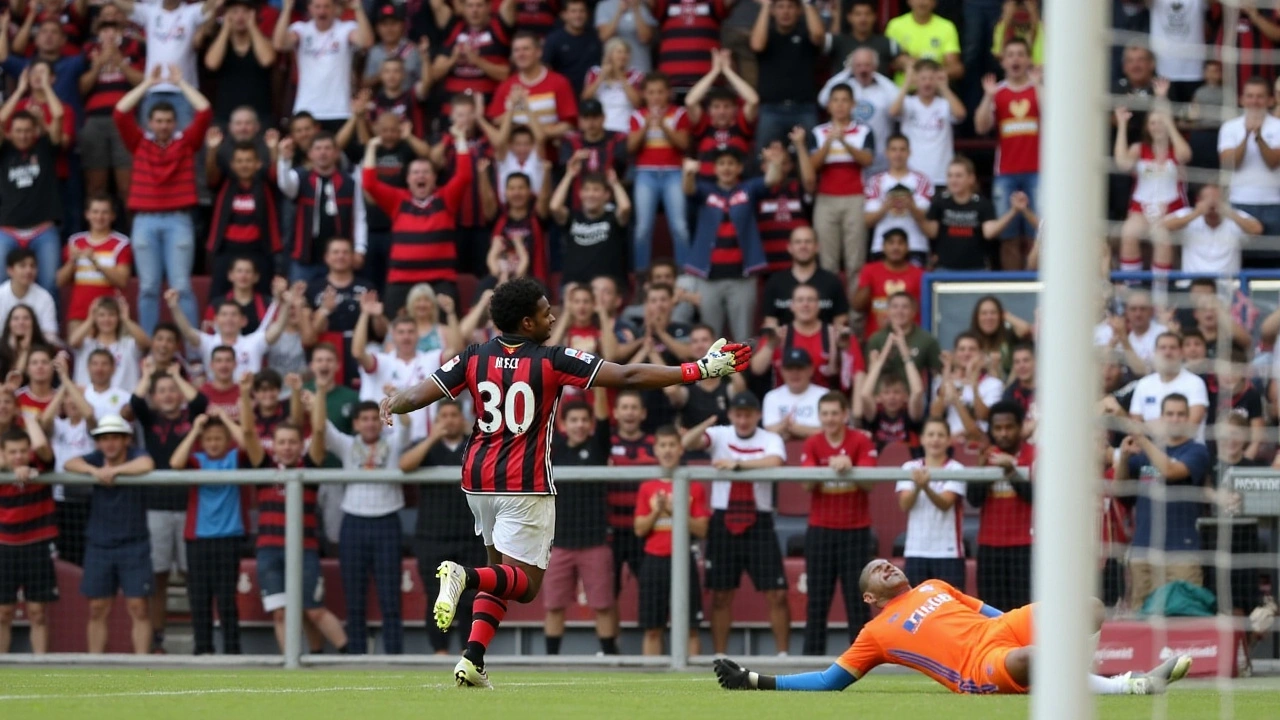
(793, 500)
(794, 448)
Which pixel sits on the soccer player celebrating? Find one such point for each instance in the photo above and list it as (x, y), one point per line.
(514, 382)
(959, 641)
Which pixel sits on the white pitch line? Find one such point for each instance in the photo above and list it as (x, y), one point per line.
(293, 691)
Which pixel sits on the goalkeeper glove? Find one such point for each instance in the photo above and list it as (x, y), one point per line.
(722, 359)
(732, 676)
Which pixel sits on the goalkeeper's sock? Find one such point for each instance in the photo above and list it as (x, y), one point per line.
(486, 614)
(1099, 685)
(506, 582)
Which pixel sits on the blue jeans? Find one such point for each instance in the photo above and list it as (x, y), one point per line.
(1269, 216)
(182, 110)
(48, 249)
(164, 248)
(777, 119)
(652, 186)
(306, 273)
(1002, 188)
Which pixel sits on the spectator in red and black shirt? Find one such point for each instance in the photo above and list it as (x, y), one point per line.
(538, 16)
(397, 148)
(891, 406)
(1004, 530)
(116, 65)
(839, 541)
(479, 201)
(240, 59)
(631, 446)
(163, 192)
(422, 218)
(600, 149)
(1022, 389)
(329, 206)
(287, 454)
(729, 119)
(519, 244)
(27, 529)
(473, 56)
(245, 223)
(688, 32)
(392, 98)
(787, 206)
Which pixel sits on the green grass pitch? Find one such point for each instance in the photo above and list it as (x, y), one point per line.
(383, 694)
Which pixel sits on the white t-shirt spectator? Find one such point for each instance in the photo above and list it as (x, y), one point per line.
(928, 127)
(389, 370)
(1177, 38)
(171, 36)
(1211, 250)
(1151, 390)
(803, 408)
(250, 349)
(128, 362)
(870, 107)
(724, 443)
(990, 389)
(369, 499)
(324, 69)
(1253, 183)
(111, 401)
(1144, 345)
(613, 98)
(878, 187)
(932, 533)
(40, 302)
(69, 441)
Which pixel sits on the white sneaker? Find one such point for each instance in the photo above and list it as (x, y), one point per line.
(466, 674)
(453, 580)
(1156, 680)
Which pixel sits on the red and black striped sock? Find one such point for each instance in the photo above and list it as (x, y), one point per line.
(486, 614)
(502, 581)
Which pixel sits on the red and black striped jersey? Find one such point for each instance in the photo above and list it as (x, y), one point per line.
(710, 140)
(780, 210)
(404, 106)
(492, 42)
(536, 15)
(688, 30)
(111, 84)
(470, 214)
(271, 512)
(26, 514)
(529, 230)
(621, 496)
(515, 385)
(422, 247)
(610, 151)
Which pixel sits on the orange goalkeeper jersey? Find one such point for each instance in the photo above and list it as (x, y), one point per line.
(935, 629)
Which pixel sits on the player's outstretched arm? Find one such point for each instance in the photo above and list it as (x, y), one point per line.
(722, 359)
(733, 676)
(406, 401)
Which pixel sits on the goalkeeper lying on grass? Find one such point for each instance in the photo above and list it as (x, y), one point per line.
(957, 640)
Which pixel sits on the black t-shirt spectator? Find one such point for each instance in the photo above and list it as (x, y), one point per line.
(594, 247)
(242, 81)
(161, 436)
(788, 65)
(832, 300)
(582, 507)
(443, 513)
(572, 55)
(343, 318)
(117, 514)
(392, 164)
(960, 244)
(28, 185)
(1247, 402)
(1019, 393)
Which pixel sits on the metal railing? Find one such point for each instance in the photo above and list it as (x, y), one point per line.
(295, 479)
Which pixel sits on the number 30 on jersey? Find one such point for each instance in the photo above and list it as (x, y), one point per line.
(515, 411)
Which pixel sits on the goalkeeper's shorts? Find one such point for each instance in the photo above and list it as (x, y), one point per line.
(1005, 634)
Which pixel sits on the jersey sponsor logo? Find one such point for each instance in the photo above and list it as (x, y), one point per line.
(585, 357)
(451, 364)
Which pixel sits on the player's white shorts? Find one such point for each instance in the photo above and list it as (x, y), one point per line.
(519, 526)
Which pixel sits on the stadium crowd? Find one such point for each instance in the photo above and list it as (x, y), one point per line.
(347, 182)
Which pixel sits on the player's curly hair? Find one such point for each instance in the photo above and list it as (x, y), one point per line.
(513, 301)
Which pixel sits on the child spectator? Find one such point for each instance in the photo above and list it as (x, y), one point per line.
(519, 244)
(109, 328)
(21, 289)
(241, 287)
(268, 411)
(214, 539)
(898, 199)
(66, 422)
(839, 541)
(36, 395)
(220, 388)
(653, 524)
(27, 534)
(595, 237)
(98, 263)
(881, 279)
(934, 547)
(729, 120)
(518, 149)
(927, 117)
(658, 138)
(245, 225)
(581, 553)
(841, 149)
(892, 406)
(228, 322)
(117, 551)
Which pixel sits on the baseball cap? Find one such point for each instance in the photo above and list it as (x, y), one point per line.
(112, 425)
(244, 3)
(590, 108)
(797, 357)
(390, 11)
(744, 400)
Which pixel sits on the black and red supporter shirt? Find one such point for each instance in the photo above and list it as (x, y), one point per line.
(515, 385)
(838, 504)
(622, 495)
(27, 510)
(271, 510)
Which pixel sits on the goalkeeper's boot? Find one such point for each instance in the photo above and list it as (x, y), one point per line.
(453, 580)
(466, 674)
(1157, 679)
